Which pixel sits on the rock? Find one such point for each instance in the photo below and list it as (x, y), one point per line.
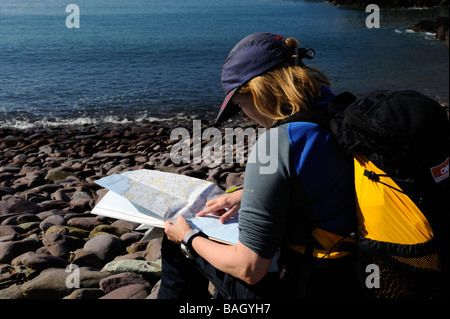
(53, 204)
(153, 250)
(7, 191)
(9, 230)
(200, 174)
(26, 227)
(137, 246)
(25, 218)
(68, 230)
(51, 221)
(105, 246)
(101, 155)
(108, 229)
(81, 204)
(86, 293)
(10, 250)
(125, 224)
(46, 149)
(82, 258)
(39, 262)
(60, 195)
(8, 279)
(139, 255)
(88, 223)
(59, 175)
(148, 269)
(131, 237)
(135, 291)
(12, 292)
(115, 281)
(61, 245)
(16, 204)
(55, 283)
(235, 179)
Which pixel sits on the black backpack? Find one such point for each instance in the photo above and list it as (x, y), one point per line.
(400, 144)
(406, 135)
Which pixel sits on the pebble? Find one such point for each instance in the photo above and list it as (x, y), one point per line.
(47, 190)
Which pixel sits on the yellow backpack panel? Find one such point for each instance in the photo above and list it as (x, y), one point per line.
(385, 213)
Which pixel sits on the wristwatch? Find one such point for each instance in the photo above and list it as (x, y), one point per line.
(186, 244)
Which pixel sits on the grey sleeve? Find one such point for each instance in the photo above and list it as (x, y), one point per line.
(267, 191)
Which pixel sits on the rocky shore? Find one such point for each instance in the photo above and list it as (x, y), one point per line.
(51, 246)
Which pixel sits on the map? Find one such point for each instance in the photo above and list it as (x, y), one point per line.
(152, 197)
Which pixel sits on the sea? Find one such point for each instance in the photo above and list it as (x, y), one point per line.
(140, 61)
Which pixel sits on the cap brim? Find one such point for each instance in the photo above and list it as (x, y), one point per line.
(228, 109)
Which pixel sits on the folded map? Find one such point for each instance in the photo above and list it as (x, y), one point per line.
(151, 197)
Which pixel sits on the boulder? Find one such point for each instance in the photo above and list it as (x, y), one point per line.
(153, 250)
(51, 221)
(105, 246)
(56, 283)
(61, 245)
(86, 293)
(88, 223)
(39, 262)
(17, 204)
(116, 281)
(148, 269)
(135, 291)
(10, 250)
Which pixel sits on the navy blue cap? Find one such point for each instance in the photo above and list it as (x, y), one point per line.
(251, 57)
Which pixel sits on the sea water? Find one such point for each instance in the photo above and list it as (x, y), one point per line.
(136, 61)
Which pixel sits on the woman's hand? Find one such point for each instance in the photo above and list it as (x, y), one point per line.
(176, 232)
(218, 206)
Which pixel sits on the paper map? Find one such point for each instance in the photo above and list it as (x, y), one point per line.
(152, 197)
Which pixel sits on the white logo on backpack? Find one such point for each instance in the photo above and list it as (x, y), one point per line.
(440, 172)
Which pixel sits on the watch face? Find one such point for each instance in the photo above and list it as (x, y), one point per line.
(186, 252)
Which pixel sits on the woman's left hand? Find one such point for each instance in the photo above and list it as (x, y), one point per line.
(176, 232)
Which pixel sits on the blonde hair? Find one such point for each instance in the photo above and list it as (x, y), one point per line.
(285, 90)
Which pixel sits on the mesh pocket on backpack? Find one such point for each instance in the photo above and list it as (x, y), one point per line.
(405, 271)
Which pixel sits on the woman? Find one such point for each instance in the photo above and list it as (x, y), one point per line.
(292, 221)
